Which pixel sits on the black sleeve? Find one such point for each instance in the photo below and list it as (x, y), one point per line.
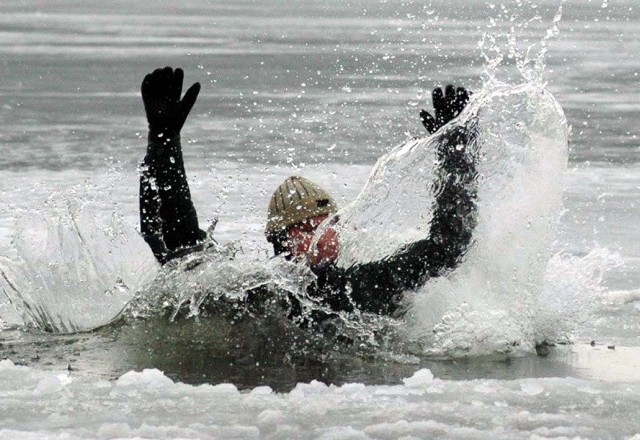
(168, 219)
(377, 286)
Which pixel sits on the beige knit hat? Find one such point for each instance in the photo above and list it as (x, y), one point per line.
(295, 200)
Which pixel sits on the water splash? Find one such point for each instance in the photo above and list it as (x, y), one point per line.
(393, 209)
(488, 303)
(511, 48)
(220, 273)
(228, 283)
(573, 291)
(68, 269)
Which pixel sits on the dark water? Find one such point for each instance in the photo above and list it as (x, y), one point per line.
(206, 351)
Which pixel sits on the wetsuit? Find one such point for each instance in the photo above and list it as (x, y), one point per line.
(168, 219)
(169, 224)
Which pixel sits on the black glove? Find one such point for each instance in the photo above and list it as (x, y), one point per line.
(161, 91)
(446, 107)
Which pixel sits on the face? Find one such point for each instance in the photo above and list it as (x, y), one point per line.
(301, 235)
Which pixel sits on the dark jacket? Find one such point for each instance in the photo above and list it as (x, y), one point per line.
(169, 225)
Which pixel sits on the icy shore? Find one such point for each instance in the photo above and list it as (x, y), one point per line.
(40, 404)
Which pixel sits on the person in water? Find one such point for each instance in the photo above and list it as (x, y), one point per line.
(169, 222)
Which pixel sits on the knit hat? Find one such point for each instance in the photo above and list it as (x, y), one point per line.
(297, 199)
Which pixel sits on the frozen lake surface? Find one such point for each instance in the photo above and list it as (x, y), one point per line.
(321, 89)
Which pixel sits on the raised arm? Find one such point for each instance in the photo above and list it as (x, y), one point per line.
(377, 286)
(456, 186)
(168, 219)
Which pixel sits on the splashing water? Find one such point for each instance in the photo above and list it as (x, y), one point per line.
(67, 270)
(489, 302)
(511, 293)
(221, 273)
(494, 301)
(572, 293)
(217, 282)
(394, 207)
(510, 52)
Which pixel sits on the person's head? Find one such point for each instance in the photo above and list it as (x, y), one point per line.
(297, 207)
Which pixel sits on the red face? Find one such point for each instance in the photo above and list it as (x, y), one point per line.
(301, 235)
